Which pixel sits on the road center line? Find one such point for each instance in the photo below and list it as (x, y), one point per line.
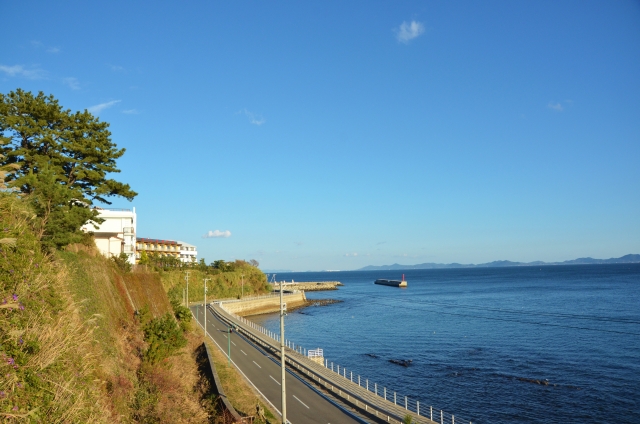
(243, 351)
(233, 343)
(258, 365)
(300, 401)
(275, 380)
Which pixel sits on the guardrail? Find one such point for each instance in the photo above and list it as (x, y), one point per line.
(359, 392)
(228, 412)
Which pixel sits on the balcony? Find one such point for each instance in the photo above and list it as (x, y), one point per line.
(128, 231)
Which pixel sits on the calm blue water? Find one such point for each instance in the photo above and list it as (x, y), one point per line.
(472, 333)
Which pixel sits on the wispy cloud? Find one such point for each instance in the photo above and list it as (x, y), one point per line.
(254, 118)
(73, 83)
(53, 50)
(21, 71)
(131, 111)
(408, 31)
(117, 68)
(102, 106)
(555, 106)
(351, 254)
(217, 234)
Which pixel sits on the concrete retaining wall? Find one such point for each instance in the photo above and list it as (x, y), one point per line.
(265, 304)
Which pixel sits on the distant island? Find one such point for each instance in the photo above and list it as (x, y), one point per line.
(626, 259)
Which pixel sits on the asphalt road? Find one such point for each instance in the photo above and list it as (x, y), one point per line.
(304, 405)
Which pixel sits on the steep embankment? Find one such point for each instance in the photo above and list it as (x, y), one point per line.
(71, 347)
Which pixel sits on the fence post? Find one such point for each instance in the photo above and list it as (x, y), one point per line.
(358, 380)
(453, 420)
(352, 376)
(405, 402)
(441, 417)
(375, 387)
(332, 366)
(394, 398)
(367, 380)
(385, 393)
(338, 369)
(418, 407)
(431, 413)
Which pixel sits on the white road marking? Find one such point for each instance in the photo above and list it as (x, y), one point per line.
(300, 401)
(258, 365)
(233, 343)
(275, 380)
(225, 336)
(242, 351)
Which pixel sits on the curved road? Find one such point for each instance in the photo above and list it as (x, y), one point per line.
(304, 405)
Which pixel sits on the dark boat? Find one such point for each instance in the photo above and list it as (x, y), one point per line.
(392, 283)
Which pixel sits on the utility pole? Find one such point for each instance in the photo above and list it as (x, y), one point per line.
(205, 307)
(283, 359)
(186, 277)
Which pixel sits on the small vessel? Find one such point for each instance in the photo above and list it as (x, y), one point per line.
(392, 283)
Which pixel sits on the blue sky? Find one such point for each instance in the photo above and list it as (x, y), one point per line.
(334, 135)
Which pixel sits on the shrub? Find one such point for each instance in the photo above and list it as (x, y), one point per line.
(164, 338)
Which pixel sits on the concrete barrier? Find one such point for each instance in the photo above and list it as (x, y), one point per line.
(265, 305)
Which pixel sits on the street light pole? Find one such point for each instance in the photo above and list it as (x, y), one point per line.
(205, 307)
(283, 360)
(187, 278)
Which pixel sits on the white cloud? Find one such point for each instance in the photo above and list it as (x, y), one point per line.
(408, 31)
(351, 254)
(217, 234)
(102, 106)
(53, 50)
(131, 111)
(73, 83)
(555, 106)
(21, 71)
(117, 68)
(255, 119)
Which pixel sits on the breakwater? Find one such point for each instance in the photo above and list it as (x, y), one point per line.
(310, 286)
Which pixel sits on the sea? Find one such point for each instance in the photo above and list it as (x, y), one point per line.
(552, 344)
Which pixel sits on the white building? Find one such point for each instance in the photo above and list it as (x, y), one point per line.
(188, 252)
(117, 234)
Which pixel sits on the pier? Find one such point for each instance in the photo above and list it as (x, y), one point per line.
(309, 286)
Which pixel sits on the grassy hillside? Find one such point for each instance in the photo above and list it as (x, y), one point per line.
(223, 284)
(71, 347)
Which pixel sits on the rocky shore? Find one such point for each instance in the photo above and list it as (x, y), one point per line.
(315, 302)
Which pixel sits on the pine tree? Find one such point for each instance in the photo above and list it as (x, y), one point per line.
(60, 160)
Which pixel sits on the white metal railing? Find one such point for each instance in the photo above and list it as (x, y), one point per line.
(411, 405)
(315, 353)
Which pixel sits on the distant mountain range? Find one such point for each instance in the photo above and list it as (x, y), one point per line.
(626, 259)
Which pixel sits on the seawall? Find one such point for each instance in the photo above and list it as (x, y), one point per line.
(310, 286)
(265, 304)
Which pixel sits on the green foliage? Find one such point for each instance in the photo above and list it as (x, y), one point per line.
(164, 338)
(144, 258)
(61, 160)
(122, 262)
(408, 419)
